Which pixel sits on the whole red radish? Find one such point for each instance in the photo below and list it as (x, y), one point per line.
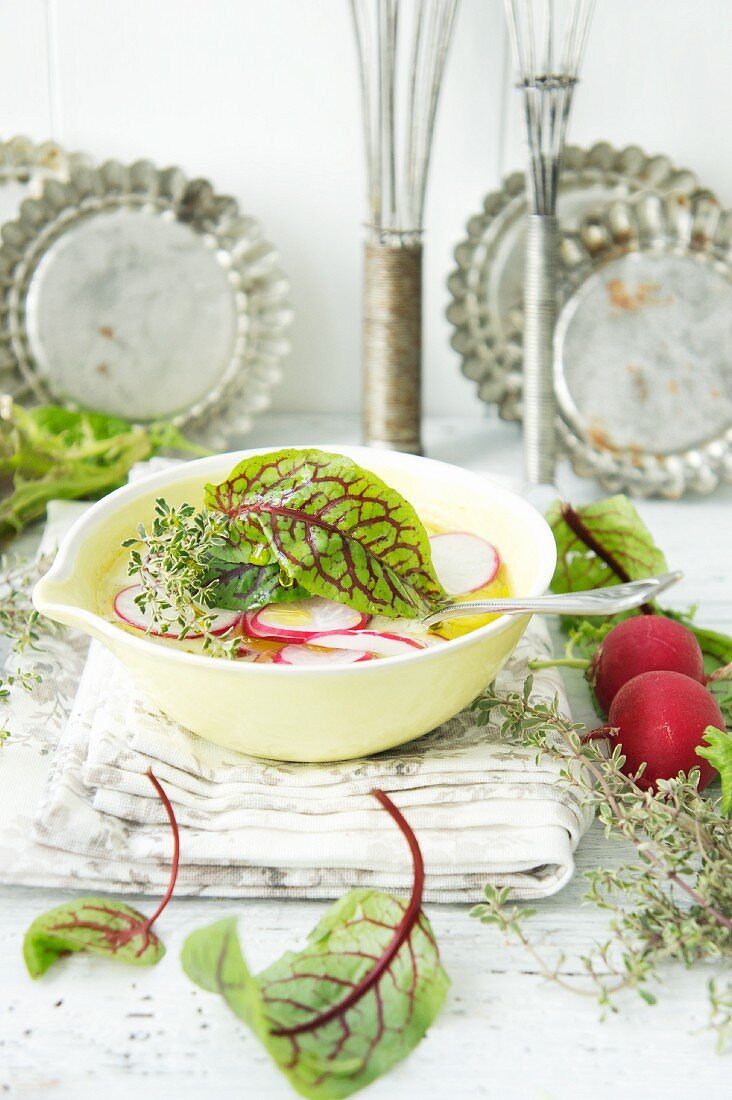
(660, 718)
(645, 643)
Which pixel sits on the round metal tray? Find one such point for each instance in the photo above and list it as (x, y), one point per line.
(486, 287)
(643, 345)
(137, 292)
(25, 166)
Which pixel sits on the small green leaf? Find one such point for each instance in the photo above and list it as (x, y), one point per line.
(99, 926)
(611, 525)
(335, 528)
(96, 925)
(246, 587)
(357, 1045)
(718, 751)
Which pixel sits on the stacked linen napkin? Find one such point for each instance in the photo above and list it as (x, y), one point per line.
(483, 810)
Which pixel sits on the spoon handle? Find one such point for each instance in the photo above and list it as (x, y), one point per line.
(596, 601)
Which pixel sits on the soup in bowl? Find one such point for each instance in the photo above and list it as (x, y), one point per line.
(290, 692)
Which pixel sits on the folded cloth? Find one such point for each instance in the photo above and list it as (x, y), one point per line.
(482, 810)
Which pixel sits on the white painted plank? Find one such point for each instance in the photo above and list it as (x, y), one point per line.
(24, 78)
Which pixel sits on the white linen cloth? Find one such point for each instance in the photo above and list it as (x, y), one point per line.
(77, 811)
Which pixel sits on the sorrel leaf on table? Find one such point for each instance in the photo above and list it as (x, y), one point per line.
(100, 926)
(355, 1001)
(335, 528)
(601, 543)
(95, 925)
(718, 751)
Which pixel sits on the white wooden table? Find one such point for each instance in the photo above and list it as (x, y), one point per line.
(93, 1029)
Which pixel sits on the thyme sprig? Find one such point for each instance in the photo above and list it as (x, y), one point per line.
(20, 626)
(171, 562)
(672, 902)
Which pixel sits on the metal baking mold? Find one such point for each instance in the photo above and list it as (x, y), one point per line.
(486, 287)
(643, 345)
(140, 293)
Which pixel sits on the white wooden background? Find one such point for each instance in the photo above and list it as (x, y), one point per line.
(260, 96)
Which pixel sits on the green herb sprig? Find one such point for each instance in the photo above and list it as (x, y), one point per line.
(172, 563)
(21, 627)
(673, 902)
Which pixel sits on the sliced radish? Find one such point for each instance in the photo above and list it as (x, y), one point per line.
(298, 620)
(377, 642)
(307, 655)
(130, 612)
(463, 562)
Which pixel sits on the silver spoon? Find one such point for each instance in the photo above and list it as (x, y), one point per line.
(595, 601)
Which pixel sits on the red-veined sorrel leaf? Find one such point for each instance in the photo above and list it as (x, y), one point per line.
(354, 1002)
(336, 529)
(100, 926)
(601, 543)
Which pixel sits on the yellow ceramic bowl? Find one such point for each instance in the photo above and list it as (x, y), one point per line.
(304, 713)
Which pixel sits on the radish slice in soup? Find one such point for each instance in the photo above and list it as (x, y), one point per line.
(298, 620)
(305, 655)
(373, 641)
(129, 612)
(463, 562)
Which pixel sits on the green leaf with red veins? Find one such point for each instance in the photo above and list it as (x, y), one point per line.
(335, 528)
(355, 1001)
(357, 1045)
(96, 925)
(100, 926)
(600, 544)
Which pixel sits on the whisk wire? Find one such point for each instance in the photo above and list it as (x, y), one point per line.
(547, 84)
(400, 87)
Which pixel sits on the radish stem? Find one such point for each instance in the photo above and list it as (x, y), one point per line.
(561, 662)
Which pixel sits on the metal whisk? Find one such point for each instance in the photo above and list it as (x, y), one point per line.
(402, 47)
(548, 38)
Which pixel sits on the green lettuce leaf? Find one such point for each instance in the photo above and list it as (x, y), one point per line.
(600, 544)
(335, 528)
(718, 751)
(358, 1044)
(96, 925)
(49, 453)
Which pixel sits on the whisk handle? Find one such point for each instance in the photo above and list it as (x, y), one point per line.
(392, 340)
(540, 308)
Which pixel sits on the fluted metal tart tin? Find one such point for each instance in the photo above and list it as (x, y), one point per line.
(486, 286)
(643, 345)
(138, 292)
